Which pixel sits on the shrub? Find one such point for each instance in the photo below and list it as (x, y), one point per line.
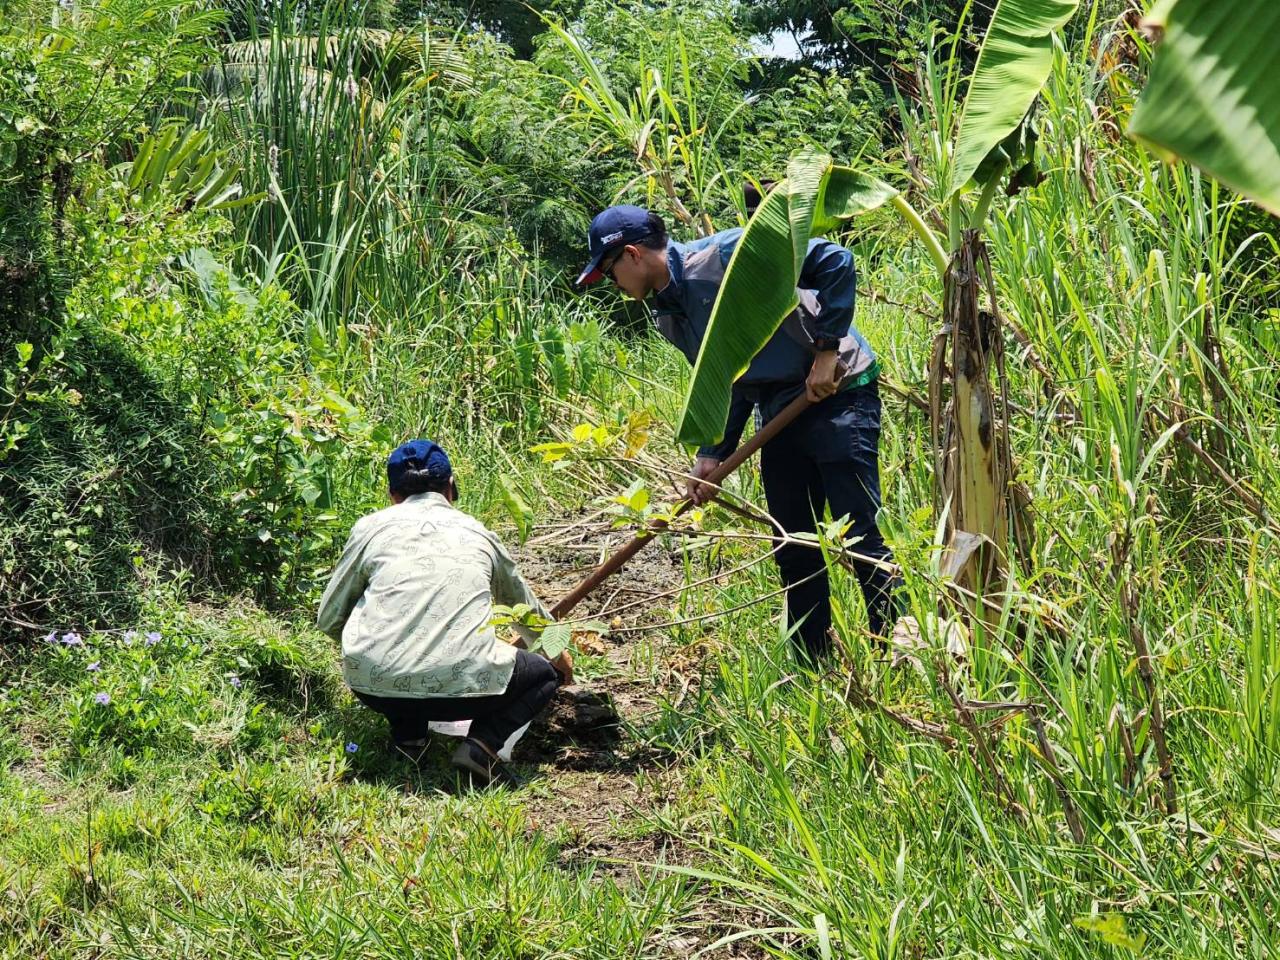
(108, 468)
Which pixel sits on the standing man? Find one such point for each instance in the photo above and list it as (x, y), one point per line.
(411, 600)
(827, 456)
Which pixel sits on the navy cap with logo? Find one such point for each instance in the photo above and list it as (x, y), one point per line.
(425, 455)
(611, 229)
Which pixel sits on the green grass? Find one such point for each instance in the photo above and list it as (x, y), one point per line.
(232, 798)
(211, 808)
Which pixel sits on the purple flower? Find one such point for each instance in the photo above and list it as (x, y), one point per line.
(153, 637)
(235, 681)
(352, 747)
(102, 698)
(72, 639)
(128, 637)
(94, 666)
(51, 637)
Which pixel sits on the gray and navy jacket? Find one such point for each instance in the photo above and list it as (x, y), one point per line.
(776, 376)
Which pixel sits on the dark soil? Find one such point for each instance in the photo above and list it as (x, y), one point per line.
(614, 794)
(585, 727)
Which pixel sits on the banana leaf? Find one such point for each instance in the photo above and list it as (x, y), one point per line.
(1016, 56)
(1213, 97)
(759, 287)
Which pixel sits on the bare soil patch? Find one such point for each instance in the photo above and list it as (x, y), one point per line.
(617, 798)
(585, 728)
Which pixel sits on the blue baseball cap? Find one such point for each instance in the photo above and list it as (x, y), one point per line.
(418, 455)
(612, 228)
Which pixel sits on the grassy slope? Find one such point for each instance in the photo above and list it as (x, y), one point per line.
(231, 821)
(233, 797)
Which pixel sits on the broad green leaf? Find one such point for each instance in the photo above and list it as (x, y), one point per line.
(1016, 56)
(849, 194)
(554, 640)
(521, 613)
(635, 497)
(1213, 98)
(806, 177)
(552, 451)
(635, 432)
(516, 507)
(759, 287)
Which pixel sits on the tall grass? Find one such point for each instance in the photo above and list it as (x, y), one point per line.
(917, 810)
(345, 209)
(1151, 465)
(374, 224)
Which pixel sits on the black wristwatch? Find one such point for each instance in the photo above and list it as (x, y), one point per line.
(823, 344)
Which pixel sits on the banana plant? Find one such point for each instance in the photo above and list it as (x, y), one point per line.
(759, 288)
(1213, 97)
(994, 145)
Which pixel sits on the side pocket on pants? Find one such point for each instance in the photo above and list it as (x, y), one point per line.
(849, 430)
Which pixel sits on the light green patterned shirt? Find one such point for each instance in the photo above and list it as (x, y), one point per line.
(411, 600)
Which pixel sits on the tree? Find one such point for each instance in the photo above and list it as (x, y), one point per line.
(849, 35)
(515, 24)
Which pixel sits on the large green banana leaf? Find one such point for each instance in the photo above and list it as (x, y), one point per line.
(1214, 93)
(759, 287)
(1016, 56)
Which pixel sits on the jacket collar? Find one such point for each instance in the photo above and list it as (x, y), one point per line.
(430, 498)
(671, 295)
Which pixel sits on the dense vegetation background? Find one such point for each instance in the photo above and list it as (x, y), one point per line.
(243, 251)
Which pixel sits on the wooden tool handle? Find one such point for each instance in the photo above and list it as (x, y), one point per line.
(611, 566)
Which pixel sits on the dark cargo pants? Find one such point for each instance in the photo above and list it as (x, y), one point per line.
(829, 457)
(494, 718)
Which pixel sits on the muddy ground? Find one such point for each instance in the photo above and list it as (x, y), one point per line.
(617, 810)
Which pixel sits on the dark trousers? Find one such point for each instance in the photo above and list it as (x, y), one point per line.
(829, 456)
(493, 718)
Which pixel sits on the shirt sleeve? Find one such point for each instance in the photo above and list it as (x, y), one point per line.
(346, 586)
(739, 410)
(509, 588)
(829, 271)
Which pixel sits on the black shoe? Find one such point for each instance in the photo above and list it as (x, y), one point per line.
(484, 768)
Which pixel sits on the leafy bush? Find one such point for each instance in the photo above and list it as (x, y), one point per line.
(114, 423)
(297, 454)
(107, 470)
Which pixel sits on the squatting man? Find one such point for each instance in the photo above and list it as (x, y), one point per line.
(411, 601)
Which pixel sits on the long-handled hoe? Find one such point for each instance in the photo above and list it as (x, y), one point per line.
(611, 566)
